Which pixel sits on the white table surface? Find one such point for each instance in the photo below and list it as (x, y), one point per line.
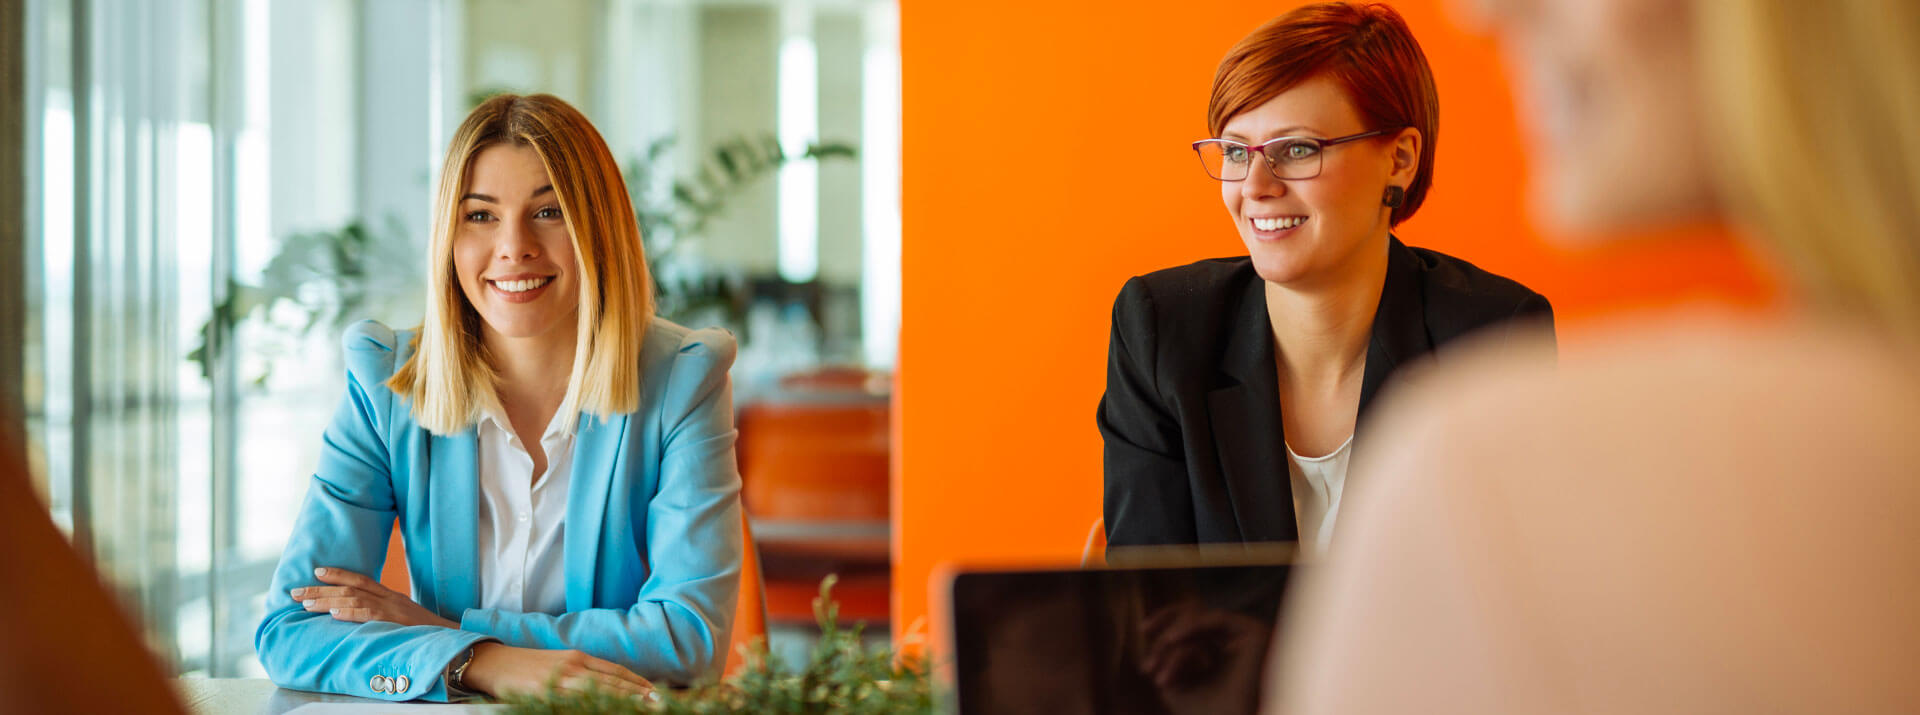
(259, 696)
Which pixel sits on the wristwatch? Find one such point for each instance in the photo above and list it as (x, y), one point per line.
(456, 674)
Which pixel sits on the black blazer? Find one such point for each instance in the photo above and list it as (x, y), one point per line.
(1191, 415)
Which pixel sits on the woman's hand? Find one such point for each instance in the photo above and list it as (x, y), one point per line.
(354, 597)
(500, 670)
(1205, 660)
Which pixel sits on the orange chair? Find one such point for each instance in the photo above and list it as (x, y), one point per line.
(750, 613)
(814, 468)
(818, 465)
(394, 574)
(1094, 554)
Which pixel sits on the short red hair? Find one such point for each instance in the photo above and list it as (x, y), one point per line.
(1367, 49)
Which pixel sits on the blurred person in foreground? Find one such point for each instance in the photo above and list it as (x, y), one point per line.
(1694, 513)
(1238, 388)
(65, 645)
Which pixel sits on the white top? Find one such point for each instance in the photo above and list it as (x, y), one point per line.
(1317, 483)
(523, 524)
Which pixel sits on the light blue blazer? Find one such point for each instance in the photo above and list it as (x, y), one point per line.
(653, 537)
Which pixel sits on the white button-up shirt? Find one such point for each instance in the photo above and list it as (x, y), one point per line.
(522, 523)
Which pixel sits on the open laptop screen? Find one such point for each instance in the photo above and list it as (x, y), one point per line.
(1164, 639)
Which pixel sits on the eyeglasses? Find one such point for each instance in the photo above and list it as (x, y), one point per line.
(1287, 157)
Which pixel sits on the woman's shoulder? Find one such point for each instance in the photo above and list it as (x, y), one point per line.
(1199, 280)
(1182, 307)
(1197, 288)
(1725, 397)
(1459, 279)
(374, 351)
(667, 342)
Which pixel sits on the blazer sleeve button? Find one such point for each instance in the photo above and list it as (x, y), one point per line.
(379, 683)
(401, 683)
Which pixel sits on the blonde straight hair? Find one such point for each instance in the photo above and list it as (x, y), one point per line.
(1815, 110)
(450, 381)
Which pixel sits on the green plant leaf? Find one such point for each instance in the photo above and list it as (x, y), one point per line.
(842, 676)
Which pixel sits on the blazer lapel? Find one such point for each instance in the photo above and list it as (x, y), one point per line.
(596, 451)
(1399, 325)
(454, 487)
(1245, 419)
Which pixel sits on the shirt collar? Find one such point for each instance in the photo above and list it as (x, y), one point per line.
(556, 427)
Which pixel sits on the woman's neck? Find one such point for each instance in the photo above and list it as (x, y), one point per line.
(533, 372)
(1321, 330)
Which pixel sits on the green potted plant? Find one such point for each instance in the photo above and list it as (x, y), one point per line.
(842, 676)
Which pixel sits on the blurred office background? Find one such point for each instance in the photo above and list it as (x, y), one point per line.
(201, 145)
(216, 187)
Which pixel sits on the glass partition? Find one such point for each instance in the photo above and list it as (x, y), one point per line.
(220, 186)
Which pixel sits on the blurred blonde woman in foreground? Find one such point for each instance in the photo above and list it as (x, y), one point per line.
(1694, 513)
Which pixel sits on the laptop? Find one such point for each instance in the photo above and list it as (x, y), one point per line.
(1164, 631)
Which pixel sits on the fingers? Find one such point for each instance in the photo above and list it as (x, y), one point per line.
(1181, 665)
(617, 671)
(308, 593)
(343, 577)
(1151, 626)
(318, 605)
(1169, 623)
(345, 583)
(569, 671)
(594, 681)
(355, 615)
(355, 607)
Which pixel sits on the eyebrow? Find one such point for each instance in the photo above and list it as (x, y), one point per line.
(1293, 131)
(490, 199)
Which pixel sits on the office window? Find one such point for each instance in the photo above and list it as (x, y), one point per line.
(219, 186)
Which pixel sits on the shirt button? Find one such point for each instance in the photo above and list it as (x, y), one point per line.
(523, 516)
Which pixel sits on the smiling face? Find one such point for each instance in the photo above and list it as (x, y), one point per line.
(1304, 231)
(512, 250)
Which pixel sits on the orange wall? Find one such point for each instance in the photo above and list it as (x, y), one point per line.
(1046, 161)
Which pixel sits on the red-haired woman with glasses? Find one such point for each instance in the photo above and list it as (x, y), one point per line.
(1234, 385)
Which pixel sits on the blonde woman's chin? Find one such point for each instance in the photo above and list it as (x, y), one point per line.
(1683, 513)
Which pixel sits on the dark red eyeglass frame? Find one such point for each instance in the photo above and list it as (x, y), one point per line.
(1319, 144)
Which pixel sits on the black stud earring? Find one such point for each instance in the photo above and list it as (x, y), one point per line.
(1394, 197)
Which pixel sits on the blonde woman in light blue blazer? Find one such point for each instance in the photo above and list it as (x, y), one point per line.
(559, 459)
